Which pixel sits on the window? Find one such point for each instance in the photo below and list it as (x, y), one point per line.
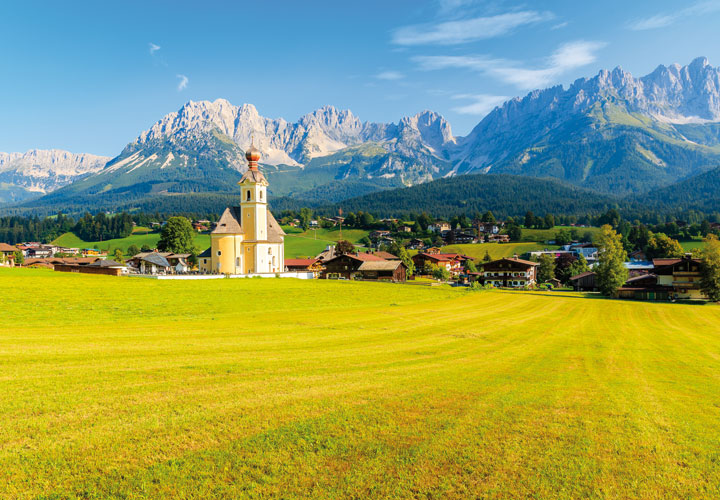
(219, 253)
(238, 262)
(248, 195)
(261, 196)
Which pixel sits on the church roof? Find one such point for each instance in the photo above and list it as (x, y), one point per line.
(229, 222)
(253, 175)
(275, 232)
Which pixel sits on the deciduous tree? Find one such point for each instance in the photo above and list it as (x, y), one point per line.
(611, 271)
(710, 269)
(177, 236)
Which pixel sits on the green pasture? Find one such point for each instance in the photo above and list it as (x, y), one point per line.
(131, 388)
(296, 245)
(541, 235)
(496, 250)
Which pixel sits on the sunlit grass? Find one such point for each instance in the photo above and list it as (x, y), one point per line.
(274, 388)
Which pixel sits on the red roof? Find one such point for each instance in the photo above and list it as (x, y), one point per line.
(386, 255)
(300, 262)
(365, 257)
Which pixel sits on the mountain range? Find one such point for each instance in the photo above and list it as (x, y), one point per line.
(612, 134)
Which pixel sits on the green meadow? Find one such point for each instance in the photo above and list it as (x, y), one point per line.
(132, 388)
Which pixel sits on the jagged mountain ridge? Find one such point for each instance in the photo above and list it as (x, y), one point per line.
(599, 130)
(36, 172)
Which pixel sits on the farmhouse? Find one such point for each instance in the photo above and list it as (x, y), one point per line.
(584, 282)
(509, 273)
(364, 266)
(453, 262)
(7, 255)
(247, 238)
(313, 265)
(107, 267)
(670, 279)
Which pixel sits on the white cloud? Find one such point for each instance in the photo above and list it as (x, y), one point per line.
(666, 19)
(153, 48)
(466, 30)
(183, 83)
(559, 26)
(568, 56)
(390, 75)
(481, 104)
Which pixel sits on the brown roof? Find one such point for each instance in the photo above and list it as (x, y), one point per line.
(300, 262)
(671, 262)
(365, 257)
(60, 260)
(381, 265)
(581, 275)
(4, 247)
(387, 256)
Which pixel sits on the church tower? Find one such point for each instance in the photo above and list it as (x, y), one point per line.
(253, 198)
(247, 239)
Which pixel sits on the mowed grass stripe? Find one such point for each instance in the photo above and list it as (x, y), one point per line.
(270, 388)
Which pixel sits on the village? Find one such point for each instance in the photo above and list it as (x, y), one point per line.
(247, 241)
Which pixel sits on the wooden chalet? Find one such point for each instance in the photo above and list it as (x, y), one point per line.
(584, 282)
(364, 266)
(671, 279)
(508, 273)
(453, 262)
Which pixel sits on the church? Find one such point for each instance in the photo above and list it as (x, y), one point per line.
(247, 239)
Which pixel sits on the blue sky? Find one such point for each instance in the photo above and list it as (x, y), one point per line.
(90, 76)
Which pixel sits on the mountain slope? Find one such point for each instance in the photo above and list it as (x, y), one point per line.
(36, 172)
(613, 133)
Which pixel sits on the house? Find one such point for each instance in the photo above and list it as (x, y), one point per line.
(498, 238)
(7, 255)
(54, 261)
(364, 266)
(374, 235)
(453, 262)
(488, 227)
(200, 227)
(464, 238)
(39, 252)
(327, 254)
(205, 261)
(681, 277)
(439, 227)
(153, 263)
(313, 265)
(643, 287)
(638, 255)
(509, 273)
(405, 229)
(247, 238)
(416, 244)
(171, 263)
(584, 282)
(554, 282)
(106, 267)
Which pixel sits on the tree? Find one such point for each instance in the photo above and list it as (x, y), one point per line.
(662, 246)
(710, 268)
(441, 273)
(487, 257)
(401, 252)
(611, 272)
(118, 256)
(578, 267)
(305, 217)
(529, 219)
(177, 236)
(563, 267)
(488, 217)
(470, 266)
(133, 250)
(344, 247)
(549, 221)
(563, 237)
(146, 248)
(19, 258)
(546, 270)
(515, 233)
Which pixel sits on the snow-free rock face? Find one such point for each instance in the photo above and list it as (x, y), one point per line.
(43, 171)
(612, 132)
(320, 133)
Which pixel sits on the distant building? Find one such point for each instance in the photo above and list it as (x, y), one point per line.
(7, 252)
(313, 265)
(584, 282)
(364, 266)
(439, 227)
(453, 262)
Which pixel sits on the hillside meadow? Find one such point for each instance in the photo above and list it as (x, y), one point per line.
(276, 388)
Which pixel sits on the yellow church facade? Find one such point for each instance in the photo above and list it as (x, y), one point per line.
(247, 238)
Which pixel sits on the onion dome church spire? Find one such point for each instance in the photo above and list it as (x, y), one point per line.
(252, 155)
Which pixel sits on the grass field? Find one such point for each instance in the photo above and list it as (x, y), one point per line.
(549, 234)
(296, 245)
(496, 250)
(141, 389)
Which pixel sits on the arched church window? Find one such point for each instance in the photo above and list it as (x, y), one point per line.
(248, 195)
(261, 195)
